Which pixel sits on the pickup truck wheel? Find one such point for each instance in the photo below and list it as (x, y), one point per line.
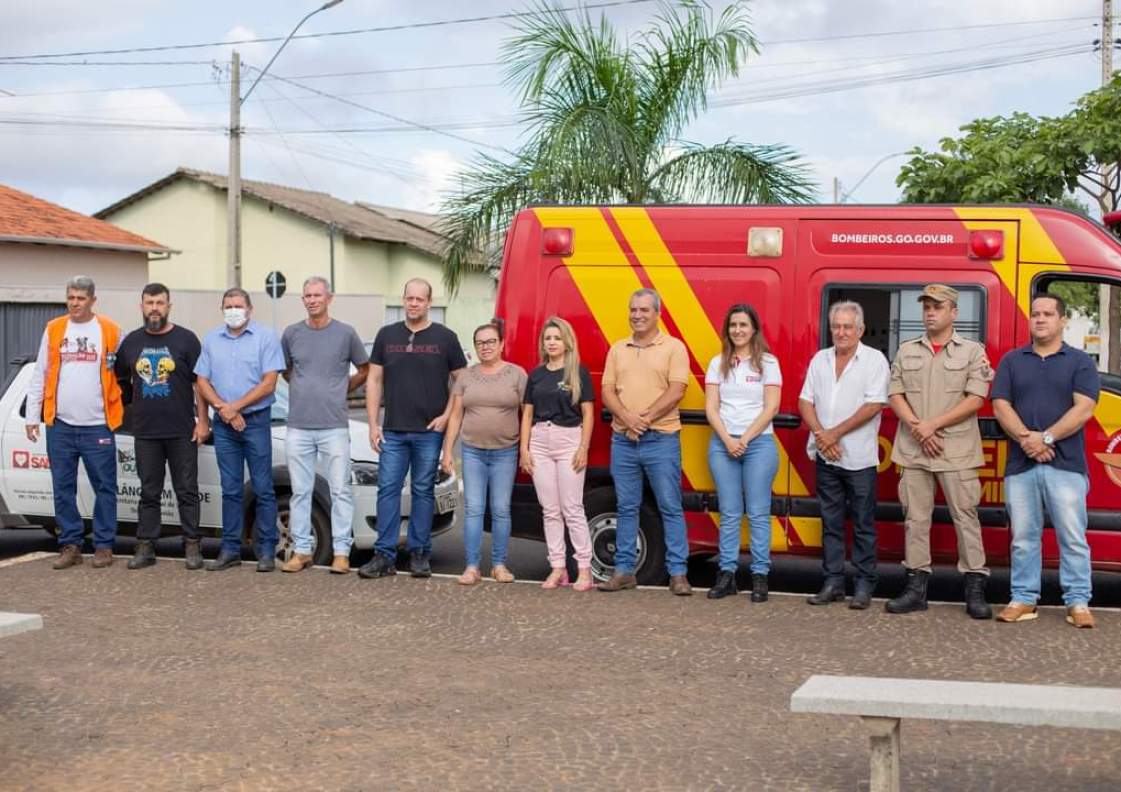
(321, 547)
(599, 505)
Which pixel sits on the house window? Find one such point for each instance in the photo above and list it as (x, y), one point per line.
(396, 313)
(893, 313)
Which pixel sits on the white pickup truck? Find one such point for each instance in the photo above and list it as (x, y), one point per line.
(26, 499)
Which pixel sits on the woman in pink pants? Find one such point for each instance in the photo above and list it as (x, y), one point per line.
(556, 430)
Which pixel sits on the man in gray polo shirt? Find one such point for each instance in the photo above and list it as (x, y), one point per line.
(318, 352)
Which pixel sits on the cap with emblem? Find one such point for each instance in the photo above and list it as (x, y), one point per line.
(939, 292)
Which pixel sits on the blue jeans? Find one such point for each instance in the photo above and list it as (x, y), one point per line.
(234, 450)
(1063, 493)
(416, 454)
(487, 471)
(658, 455)
(96, 447)
(739, 482)
(842, 493)
(304, 447)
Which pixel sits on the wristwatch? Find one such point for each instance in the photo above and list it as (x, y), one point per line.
(1048, 439)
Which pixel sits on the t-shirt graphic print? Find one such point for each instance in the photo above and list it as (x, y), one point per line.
(154, 367)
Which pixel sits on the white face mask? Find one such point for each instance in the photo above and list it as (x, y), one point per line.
(235, 317)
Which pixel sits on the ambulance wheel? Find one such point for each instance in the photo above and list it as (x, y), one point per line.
(599, 505)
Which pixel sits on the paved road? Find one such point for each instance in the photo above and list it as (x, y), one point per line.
(527, 559)
(165, 679)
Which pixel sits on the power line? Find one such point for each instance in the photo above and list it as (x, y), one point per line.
(911, 31)
(355, 32)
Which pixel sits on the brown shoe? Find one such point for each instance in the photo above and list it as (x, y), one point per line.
(618, 583)
(679, 586)
(1017, 612)
(340, 565)
(1080, 616)
(296, 563)
(102, 557)
(68, 556)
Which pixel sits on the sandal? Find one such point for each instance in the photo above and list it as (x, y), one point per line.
(558, 578)
(470, 576)
(584, 582)
(502, 574)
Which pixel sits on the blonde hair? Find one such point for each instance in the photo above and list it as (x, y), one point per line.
(571, 354)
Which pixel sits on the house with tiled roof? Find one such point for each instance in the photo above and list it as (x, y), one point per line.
(42, 245)
(365, 249)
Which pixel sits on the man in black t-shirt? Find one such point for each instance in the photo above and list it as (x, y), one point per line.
(155, 365)
(411, 365)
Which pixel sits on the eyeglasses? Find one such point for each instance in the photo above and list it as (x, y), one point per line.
(409, 346)
(487, 342)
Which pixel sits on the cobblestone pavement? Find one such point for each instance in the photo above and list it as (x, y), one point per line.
(165, 679)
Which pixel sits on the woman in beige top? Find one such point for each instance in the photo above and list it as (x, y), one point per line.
(485, 402)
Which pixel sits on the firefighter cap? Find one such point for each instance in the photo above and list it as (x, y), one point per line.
(939, 292)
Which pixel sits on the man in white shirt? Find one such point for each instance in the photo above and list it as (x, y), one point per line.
(74, 391)
(842, 398)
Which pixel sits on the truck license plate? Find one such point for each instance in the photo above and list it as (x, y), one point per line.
(446, 502)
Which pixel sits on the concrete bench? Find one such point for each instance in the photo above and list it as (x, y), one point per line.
(882, 702)
(12, 623)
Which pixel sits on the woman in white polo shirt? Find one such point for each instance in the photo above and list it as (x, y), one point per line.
(742, 389)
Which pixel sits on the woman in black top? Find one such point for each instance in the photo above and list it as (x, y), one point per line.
(556, 430)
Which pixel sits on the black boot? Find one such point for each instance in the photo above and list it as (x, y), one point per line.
(378, 566)
(192, 553)
(725, 586)
(862, 596)
(913, 597)
(975, 604)
(758, 588)
(143, 556)
(419, 565)
(831, 591)
(225, 560)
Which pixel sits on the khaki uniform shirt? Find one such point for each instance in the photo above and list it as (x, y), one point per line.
(933, 385)
(641, 374)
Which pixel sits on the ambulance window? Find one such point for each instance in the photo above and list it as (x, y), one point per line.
(1087, 302)
(892, 314)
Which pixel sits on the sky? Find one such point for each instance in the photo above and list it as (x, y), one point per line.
(846, 83)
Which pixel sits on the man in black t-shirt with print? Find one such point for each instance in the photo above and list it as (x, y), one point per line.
(155, 365)
(411, 366)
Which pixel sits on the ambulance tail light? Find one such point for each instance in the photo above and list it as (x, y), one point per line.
(1112, 220)
(987, 244)
(764, 242)
(556, 241)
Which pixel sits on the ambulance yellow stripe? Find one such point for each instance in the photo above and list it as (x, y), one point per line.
(1024, 235)
(701, 337)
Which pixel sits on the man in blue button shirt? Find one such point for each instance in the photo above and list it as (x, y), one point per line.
(237, 373)
(1043, 394)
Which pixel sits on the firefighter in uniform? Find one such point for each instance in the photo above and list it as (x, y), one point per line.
(938, 383)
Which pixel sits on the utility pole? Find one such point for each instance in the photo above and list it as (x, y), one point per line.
(233, 181)
(1109, 305)
(836, 190)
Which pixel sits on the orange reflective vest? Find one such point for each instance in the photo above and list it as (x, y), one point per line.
(110, 389)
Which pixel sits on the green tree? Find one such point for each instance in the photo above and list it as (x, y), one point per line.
(1048, 160)
(605, 118)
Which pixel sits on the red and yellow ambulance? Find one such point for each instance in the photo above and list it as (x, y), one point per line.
(791, 263)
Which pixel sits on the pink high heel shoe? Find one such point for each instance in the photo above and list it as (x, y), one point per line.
(558, 578)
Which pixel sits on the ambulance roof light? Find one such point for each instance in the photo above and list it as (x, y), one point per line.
(986, 244)
(763, 242)
(556, 241)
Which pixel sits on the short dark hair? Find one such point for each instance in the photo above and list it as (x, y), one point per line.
(1060, 303)
(154, 289)
(491, 325)
(237, 291)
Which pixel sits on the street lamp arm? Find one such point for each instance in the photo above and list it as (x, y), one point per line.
(879, 162)
(260, 74)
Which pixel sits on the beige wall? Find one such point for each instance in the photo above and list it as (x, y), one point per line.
(38, 273)
(191, 217)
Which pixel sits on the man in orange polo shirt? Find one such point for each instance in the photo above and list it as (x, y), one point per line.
(644, 378)
(75, 392)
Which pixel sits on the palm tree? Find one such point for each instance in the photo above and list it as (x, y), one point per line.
(604, 122)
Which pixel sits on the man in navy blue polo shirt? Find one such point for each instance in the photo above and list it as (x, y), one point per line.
(1043, 394)
(237, 371)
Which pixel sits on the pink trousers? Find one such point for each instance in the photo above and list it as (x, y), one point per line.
(560, 491)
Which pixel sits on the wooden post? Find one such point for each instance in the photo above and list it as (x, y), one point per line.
(884, 735)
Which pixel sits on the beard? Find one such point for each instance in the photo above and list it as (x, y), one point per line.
(155, 323)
